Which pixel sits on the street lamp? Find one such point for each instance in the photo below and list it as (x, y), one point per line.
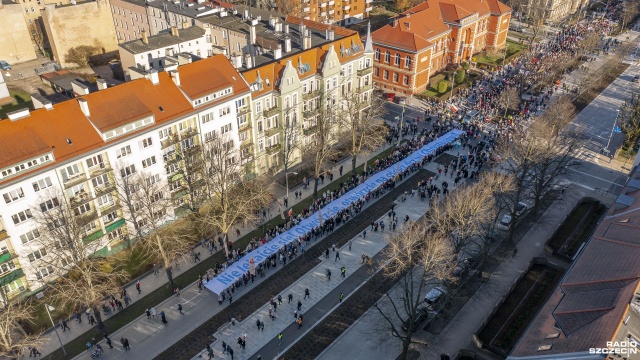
(615, 122)
(51, 308)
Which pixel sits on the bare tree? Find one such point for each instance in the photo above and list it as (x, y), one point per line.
(291, 143)
(290, 7)
(556, 147)
(37, 36)
(85, 279)
(509, 99)
(13, 338)
(630, 9)
(235, 199)
(365, 129)
(127, 188)
(189, 175)
(322, 125)
(419, 259)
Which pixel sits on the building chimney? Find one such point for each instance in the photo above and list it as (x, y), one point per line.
(272, 22)
(287, 44)
(277, 53)
(174, 31)
(102, 84)
(175, 76)
(326, 34)
(394, 22)
(248, 61)
(306, 41)
(278, 26)
(153, 76)
(40, 102)
(18, 114)
(252, 34)
(145, 36)
(286, 28)
(79, 88)
(84, 106)
(245, 15)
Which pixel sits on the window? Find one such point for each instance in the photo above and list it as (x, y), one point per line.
(157, 197)
(124, 151)
(397, 61)
(241, 102)
(82, 209)
(70, 171)
(171, 168)
(395, 77)
(225, 129)
(406, 80)
(385, 75)
(105, 200)
(6, 267)
(110, 217)
(14, 195)
(95, 161)
(206, 118)
(88, 229)
(37, 255)
(49, 204)
(146, 142)
(225, 110)
(30, 236)
(376, 72)
(21, 216)
(152, 180)
(165, 133)
(127, 171)
(209, 136)
(260, 129)
(148, 162)
(407, 62)
(44, 272)
(100, 180)
(261, 144)
(387, 56)
(188, 143)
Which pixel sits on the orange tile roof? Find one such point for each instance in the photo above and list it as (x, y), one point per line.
(209, 75)
(266, 72)
(51, 128)
(106, 110)
(320, 26)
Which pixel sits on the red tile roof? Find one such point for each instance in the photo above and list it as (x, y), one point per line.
(209, 75)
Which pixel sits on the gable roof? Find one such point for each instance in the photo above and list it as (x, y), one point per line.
(209, 75)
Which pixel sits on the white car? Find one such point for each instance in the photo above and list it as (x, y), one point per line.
(505, 222)
(521, 208)
(434, 297)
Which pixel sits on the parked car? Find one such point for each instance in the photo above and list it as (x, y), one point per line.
(434, 297)
(401, 100)
(4, 65)
(470, 116)
(505, 222)
(516, 27)
(421, 316)
(521, 208)
(389, 96)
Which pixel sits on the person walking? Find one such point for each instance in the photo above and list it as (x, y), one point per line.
(279, 339)
(33, 351)
(138, 287)
(299, 305)
(108, 341)
(258, 324)
(210, 351)
(299, 321)
(343, 271)
(125, 343)
(306, 294)
(163, 317)
(224, 348)
(290, 298)
(341, 297)
(279, 299)
(180, 309)
(64, 326)
(337, 255)
(153, 313)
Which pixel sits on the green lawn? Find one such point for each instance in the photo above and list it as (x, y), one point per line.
(21, 100)
(130, 313)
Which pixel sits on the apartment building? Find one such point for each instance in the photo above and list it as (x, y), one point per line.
(153, 52)
(423, 40)
(77, 151)
(342, 12)
(287, 83)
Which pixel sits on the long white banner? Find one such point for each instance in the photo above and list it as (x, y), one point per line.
(240, 267)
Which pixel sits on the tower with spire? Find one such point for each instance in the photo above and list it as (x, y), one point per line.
(368, 46)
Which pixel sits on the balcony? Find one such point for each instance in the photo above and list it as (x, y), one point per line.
(346, 7)
(274, 149)
(365, 71)
(11, 277)
(311, 95)
(114, 225)
(368, 9)
(272, 131)
(324, 13)
(270, 112)
(80, 197)
(331, 12)
(324, 4)
(310, 130)
(243, 110)
(246, 144)
(171, 140)
(76, 180)
(99, 170)
(245, 125)
(109, 208)
(364, 88)
(311, 113)
(105, 188)
(368, 1)
(6, 256)
(331, 3)
(87, 217)
(307, 9)
(3, 235)
(187, 133)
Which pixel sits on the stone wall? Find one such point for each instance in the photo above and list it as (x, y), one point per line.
(15, 42)
(86, 23)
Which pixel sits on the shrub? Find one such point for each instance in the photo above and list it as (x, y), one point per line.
(460, 76)
(442, 86)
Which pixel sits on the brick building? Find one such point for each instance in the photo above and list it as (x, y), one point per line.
(423, 40)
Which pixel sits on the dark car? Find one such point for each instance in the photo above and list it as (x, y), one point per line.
(421, 317)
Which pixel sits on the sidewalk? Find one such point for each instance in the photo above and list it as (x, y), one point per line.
(150, 282)
(323, 293)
